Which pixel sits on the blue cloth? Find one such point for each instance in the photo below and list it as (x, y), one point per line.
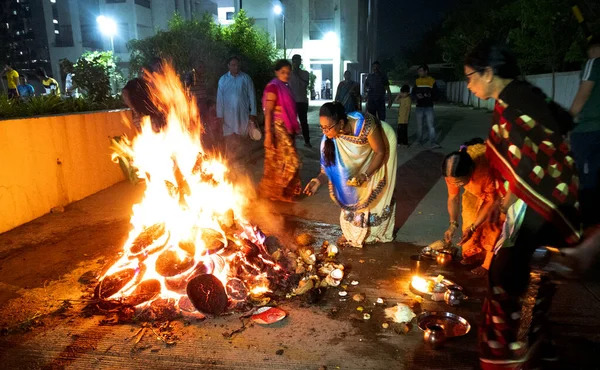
(425, 117)
(25, 91)
(236, 102)
(339, 173)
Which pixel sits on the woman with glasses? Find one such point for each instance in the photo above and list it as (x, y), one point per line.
(281, 179)
(536, 174)
(358, 155)
(469, 169)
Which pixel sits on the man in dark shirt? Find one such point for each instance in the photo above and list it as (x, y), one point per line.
(376, 86)
(425, 93)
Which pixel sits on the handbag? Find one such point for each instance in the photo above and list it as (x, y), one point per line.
(253, 131)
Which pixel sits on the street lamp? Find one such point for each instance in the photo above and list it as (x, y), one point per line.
(331, 38)
(109, 28)
(278, 10)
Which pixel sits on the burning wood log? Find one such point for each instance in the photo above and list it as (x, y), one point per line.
(207, 294)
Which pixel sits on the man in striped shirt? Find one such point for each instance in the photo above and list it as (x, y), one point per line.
(585, 138)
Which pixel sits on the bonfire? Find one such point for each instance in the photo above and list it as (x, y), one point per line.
(189, 247)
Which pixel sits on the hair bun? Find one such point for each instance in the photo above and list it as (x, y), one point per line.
(463, 148)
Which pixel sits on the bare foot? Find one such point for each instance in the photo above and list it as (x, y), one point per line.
(479, 271)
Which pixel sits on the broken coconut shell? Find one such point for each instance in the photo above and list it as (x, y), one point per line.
(170, 264)
(213, 240)
(113, 283)
(147, 237)
(207, 294)
(144, 292)
(236, 289)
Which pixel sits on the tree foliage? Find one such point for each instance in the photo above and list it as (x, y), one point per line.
(543, 33)
(94, 72)
(185, 43)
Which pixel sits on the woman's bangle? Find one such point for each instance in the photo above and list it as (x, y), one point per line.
(454, 223)
(473, 228)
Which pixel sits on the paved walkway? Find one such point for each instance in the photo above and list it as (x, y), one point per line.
(52, 258)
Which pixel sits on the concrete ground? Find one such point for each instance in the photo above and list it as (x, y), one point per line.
(46, 267)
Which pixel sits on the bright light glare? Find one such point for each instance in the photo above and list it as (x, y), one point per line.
(331, 38)
(107, 25)
(277, 9)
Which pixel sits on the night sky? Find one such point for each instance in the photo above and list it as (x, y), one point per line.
(403, 22)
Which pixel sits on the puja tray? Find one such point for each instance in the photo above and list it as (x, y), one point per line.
(454, 325)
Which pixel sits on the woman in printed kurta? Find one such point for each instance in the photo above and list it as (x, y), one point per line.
(281, 179)
(538, 179)
(358, 155)
(469, 169)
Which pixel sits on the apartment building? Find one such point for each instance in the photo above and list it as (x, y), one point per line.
(39, 33)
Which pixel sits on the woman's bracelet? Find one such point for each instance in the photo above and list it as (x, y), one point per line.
(454, 223)
(473, 228)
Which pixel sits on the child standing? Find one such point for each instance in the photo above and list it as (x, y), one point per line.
(404, 102)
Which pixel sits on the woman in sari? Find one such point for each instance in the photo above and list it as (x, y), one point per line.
(358, 155)
(281, 179)
(348, 93)
(470, 170)
(536, 174)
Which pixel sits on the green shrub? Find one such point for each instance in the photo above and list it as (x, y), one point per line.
(51, 104)
(185, 43)
(95, 72)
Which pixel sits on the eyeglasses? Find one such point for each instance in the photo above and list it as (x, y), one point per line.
(325, 129)
(468, 75)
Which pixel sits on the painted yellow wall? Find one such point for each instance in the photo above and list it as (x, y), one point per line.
(52, 161)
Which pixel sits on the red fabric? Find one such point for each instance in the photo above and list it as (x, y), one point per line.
(552, 161)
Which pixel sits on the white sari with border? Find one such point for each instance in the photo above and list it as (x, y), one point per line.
(368, 212)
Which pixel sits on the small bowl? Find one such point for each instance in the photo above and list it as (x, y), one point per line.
(444, 258)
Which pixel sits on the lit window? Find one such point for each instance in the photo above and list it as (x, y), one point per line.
(53, 1)
(7, 26)
(56, 32)
(21, 52)
(14, 12)
(18, 32)
(55, 21)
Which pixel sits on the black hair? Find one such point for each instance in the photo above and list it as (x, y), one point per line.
(297, 56)
(459, 164)
(405, 89)
(41, 72)
(425, 67)
(280, 63)
(495, 56)
(376, 63)
(334, 110)
(233, 58)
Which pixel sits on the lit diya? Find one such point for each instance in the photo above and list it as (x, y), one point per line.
(432, 287)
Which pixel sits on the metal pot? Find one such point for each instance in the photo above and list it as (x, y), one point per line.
(444, 258)
(434, 336)
(453, 296)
